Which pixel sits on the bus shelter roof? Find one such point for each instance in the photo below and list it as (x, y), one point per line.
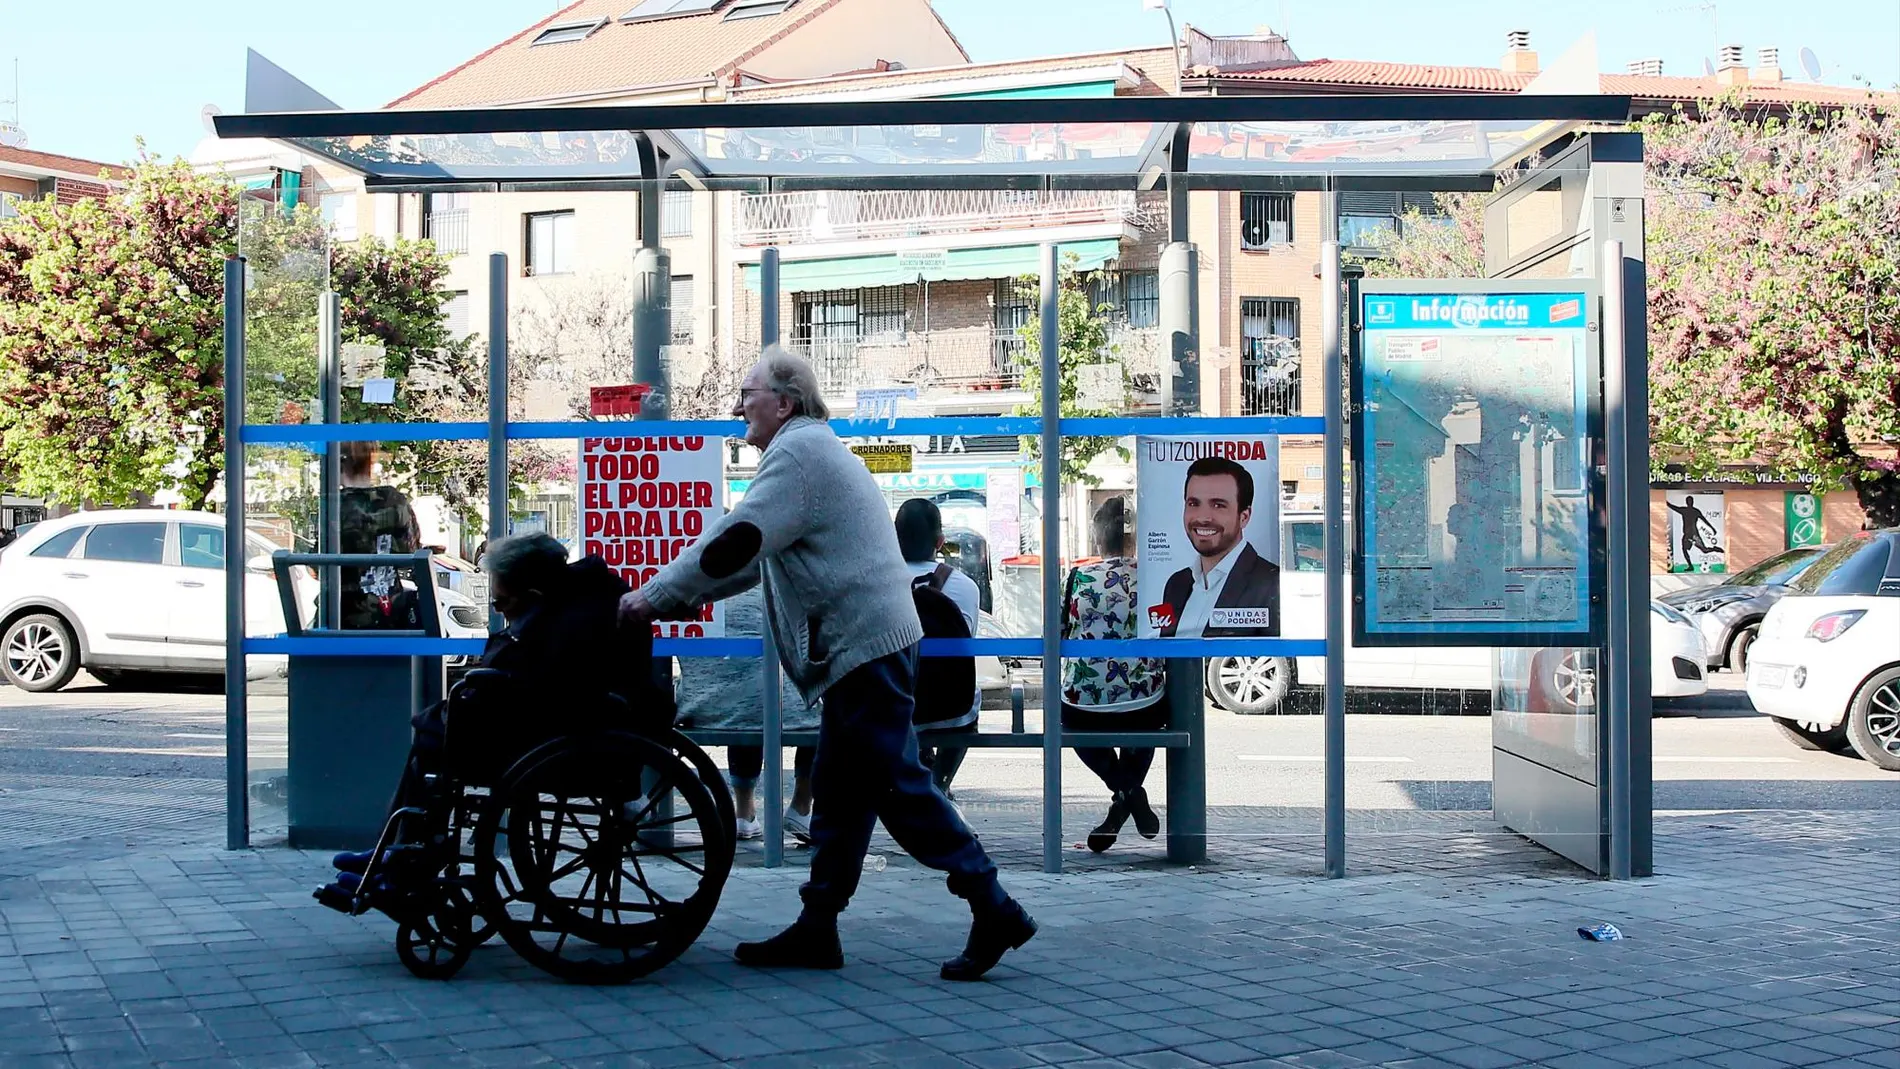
(1422, 142)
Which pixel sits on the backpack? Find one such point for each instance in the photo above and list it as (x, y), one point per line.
(377, 519)
(946, 686)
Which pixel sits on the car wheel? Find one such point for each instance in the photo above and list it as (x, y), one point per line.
(1873, 721)
(1829, 740)
(39, 654)
(1250, 686)
(1562, 683)
(1738, 650)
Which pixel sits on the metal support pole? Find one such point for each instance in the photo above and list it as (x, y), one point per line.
(1181, 324)
(1051, 567)
(773, 770)
(330, 481)
(497, 407)
(1333, 383)
(652, 307)
(237, 757)
(1627, 488)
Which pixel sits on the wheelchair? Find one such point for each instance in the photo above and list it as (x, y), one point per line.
(597, 854)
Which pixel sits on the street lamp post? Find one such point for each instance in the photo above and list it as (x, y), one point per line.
(1174, 36)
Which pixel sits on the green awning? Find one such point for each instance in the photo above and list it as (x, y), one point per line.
(863, 272)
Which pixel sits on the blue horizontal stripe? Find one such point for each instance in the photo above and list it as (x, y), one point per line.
(982, 647)
(908, 427)
(1195, 647)
(1186, 426)
(310, 433)
(315, 646)
(708, 647)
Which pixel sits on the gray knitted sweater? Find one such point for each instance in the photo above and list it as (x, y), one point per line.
(815, 530)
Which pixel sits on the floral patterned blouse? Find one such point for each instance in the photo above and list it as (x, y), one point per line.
(1099, 603)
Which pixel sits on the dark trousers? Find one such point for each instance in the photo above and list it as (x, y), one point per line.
(1125, 770)
(746, 762)
(867, 770)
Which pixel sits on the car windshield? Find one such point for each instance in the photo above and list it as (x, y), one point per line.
(1853, 566)
(1777, 570)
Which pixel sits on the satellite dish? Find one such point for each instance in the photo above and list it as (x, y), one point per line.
(1708, 69)
(11, 135)
(1810, 65)
(208, 113)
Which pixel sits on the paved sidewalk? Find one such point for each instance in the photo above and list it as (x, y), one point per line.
(1771, 939)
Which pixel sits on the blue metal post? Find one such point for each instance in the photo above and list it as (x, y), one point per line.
(237, 754)
(773, 769)
(497, 407)
(1051, 567)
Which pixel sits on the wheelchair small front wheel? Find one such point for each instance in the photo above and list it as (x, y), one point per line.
(428, 953)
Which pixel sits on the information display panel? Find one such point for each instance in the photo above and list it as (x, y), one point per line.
(1475, 416)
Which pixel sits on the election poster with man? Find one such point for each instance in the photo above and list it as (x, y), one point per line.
(1208, 537)
(643, 501)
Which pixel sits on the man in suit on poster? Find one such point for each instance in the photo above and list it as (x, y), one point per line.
(1231, 591)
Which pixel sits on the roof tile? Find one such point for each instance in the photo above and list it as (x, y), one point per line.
(52, 162)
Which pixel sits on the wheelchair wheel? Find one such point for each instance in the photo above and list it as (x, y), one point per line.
(613, 861)
(709, 774)
(435, 945)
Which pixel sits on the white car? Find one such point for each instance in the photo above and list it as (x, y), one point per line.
(1826, 665)
(1559, 676)
(142, 590)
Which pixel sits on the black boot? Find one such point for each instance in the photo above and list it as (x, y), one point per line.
(1146, 820)
(993, 933)
(807, 944)
(1104, 834)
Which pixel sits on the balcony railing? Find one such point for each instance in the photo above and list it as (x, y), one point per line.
(974, 360)
(835, 215)
(449, 230)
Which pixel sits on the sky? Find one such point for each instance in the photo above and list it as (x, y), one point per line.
(96, 76)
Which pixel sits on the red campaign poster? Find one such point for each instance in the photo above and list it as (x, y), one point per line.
(643, 501)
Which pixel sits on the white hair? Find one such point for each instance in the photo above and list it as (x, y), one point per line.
(791, 376)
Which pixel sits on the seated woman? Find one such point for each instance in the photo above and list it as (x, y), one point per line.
(1116, 694)
(564, 653)
(726, 692)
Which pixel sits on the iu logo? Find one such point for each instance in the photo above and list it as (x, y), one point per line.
(1161, 617)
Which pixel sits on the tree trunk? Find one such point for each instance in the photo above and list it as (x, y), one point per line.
(1879, 494)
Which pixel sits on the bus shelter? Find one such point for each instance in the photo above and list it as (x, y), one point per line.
(1564, 241)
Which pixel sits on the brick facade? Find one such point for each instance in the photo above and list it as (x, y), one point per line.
(1755, 521)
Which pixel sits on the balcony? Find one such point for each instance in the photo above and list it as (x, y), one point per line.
(953, 361)
(816, 216)
(448, 229)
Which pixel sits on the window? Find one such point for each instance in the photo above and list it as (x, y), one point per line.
(1266, 220)
(136, 543)
(445, 222)
(1269, 356)
(562, 33)
(753, 9)
(1015, 309)
(8, 207)
(338, 211)
(680, 298)
(1309, 546)
(827, 318)
(676, 213)
(1855, 566)
(455, 315)
(1134, 297)
(666, 9)
(61, 544)
(881, 314)
(1363, 216)
(551, 243)
(200, 546)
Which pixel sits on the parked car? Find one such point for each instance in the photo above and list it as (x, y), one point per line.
(1565, 679)
(142, 590)
(1826, 665)
(1730, 612)
(1257, 685)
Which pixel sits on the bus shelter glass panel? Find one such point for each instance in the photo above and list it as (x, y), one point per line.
(1477, 417)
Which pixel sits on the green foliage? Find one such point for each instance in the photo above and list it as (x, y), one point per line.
(1082, 335)
(1773, 252)
(111, 338)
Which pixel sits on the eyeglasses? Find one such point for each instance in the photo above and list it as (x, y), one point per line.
(743, 390)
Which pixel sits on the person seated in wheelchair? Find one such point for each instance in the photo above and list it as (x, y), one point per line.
(562, 665)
